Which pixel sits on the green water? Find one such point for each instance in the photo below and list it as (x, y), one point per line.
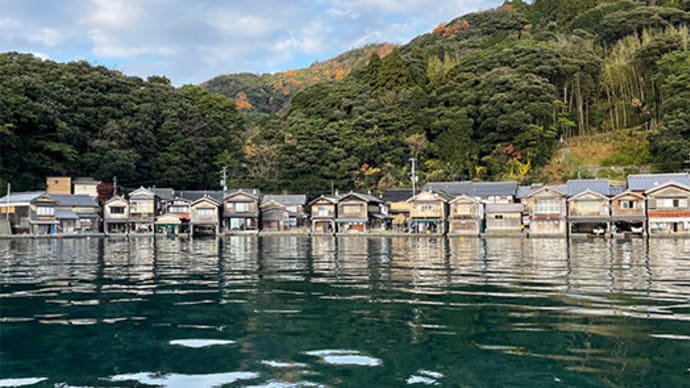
(293, 311)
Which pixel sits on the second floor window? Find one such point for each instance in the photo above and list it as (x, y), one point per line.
(117, 210)
(670, 203)
(179, 209)
(205, 212)
(45, 211)
(242, 207)
(549, 206)
(627, 204)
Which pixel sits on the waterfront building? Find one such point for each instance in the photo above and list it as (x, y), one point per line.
(503, 217)
(85, 186)
(668, 209)
(628, 213)
(466, 216)
(588, 206)
(58, 185)
(428, 213)
(77, 213)
(323, 214)
(116, 216)
(359, 213)
(30, 213)
(143, 208)
(547, 211)
(205, 216)
(283, 212)
(398, 207)
(241, 211)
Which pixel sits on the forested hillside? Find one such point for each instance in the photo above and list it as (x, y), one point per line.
(488, 95)
(272, 93)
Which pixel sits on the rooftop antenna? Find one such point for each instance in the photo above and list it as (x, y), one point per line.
(413, 175)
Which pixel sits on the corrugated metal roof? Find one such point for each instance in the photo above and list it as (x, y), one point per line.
(77, 200)
(63, 214)
(577, 186)
(644, 182)
(504, 208)
(286, 199)
(21, 197)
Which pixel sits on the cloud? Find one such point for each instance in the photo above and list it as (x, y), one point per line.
(192, 41)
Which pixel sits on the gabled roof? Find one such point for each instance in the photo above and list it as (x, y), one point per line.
(525, 191)
(396, 195)
(465, 197)
(168, 219)
(577, 186)
(452, 188)
(644, 182)
(588, 191)
(475, 189)
(628, 192)
(550, 188)
(164, 193)
(255, 193)
(286, 199)
(193, 195)
(76, 200)
(332, 200)
(116, 198)
(142, 192)
(272, 204)
(22, 197)
(207, 199)
(363, 197)
(668, 184)
(438, 196)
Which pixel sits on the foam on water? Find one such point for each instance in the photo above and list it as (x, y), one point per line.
(200, 343)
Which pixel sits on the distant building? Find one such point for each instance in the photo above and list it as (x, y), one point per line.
(359, 213)
(77, 213)
(143, 205)
(58, 185)
(30, 212)
(205, 216)
(547, 212)
(85, 186)
(116, 216)
(282, 212)
(241, 211)
(398, 207)
(323, 214)
(668, 209)
(589, 206)
(466, 216)
(428, 213)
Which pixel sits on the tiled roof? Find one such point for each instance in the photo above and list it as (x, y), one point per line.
(364, 197)
(164, 193)
(525, 191)
(577, 186)
(78, 200)
(21, 197)
(396, 195)
(193, 195)
(253, 192)
(475, 189)
(286, 199)
(644, 182)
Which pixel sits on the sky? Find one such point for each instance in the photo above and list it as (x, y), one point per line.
(191, 41)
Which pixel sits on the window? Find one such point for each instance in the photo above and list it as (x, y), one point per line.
(627, 204)
(498, 216)
(463, 209)
(589, 207)
(142, 207)
(549, 206)
(669, 203)
(117, 210)
(205, 212)
(242, 207)
(426, 207)
(323, 211)
(351, 209)
(179, 209)
(45, 211)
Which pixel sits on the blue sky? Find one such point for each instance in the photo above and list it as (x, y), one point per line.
(190, 41)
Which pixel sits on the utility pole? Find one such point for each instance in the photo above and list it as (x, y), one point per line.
(114, 186)
(224, 182)
(688, 161)
(7, 209)
(413, 176)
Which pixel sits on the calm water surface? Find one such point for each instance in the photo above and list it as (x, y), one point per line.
(354, 311)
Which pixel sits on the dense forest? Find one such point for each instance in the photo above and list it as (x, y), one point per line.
(488, 95)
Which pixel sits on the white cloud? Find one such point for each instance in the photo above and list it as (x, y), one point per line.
(192, 41)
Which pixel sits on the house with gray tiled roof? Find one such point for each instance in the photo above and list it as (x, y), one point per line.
(588, 206)
(547, 211)
(283, 211)
(324, 211)
(78, 213)
(241, 211)
(640, 183)
(359, 213)
(668, 209)
(30, 212)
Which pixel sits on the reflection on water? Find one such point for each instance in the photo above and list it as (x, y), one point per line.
(298, 311)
